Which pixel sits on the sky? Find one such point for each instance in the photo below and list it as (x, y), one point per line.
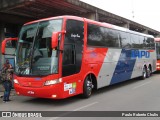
(145, 12)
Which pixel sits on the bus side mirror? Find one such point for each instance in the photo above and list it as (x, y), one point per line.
(4, 45)
(55, 38)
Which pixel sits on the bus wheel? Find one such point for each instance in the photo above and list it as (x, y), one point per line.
(149, 72)
(87, 87)
(144, 73)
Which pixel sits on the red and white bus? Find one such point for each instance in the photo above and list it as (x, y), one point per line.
(157, 41)
(63, 56)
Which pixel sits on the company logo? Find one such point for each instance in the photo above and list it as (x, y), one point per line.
(140, 54)
(6, 114)
(31, 92)
(37, 78)
(93, 54)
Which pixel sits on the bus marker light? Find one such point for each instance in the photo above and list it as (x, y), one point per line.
(16, 81)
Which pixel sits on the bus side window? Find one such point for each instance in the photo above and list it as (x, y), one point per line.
(124, 39)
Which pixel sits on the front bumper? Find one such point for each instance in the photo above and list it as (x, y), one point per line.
(52, 91)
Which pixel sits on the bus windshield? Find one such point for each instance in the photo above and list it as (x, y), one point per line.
(34, 55)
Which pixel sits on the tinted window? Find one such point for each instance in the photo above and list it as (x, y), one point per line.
(134, 41)
(95, 37)
(100, 36)
(74, 31)
(141, 41)
(73, 47)
(73, 41)
(145, 44)
(105, 37)
(110, 38)
(152, 44)
(68, 54)
(11, 44)
(149, 43)
(125, 39)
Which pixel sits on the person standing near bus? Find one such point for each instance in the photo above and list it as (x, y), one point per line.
(7, 73)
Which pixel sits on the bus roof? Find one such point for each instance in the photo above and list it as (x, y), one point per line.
(92, 22)
(57, 17)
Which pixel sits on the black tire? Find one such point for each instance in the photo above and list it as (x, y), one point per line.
(87, 87)
(149, 72)
(144, 73)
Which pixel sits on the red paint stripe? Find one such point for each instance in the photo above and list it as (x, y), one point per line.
(151, 50)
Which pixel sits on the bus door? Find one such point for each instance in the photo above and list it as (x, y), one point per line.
(72, 51)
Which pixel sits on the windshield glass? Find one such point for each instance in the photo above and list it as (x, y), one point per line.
(34, 55)
(158, 50)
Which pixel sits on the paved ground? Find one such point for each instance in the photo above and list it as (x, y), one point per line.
(2, 91)
(133, 95)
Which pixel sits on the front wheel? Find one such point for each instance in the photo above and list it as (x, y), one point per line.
(87, 87)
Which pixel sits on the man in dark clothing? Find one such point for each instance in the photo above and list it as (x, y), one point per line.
(6, 76)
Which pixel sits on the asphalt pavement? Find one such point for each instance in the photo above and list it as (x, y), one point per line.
(131, 95)
(2, 91)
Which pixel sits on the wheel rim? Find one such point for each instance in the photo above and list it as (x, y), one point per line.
(89, 87)
(144, 73)
(149, 72)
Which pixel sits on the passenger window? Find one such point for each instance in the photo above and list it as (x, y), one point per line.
(95, 37)
(125, 39)
(101, 36)
(134, 41)
(111, 38)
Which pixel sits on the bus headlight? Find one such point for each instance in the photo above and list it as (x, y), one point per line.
(52, 82)
(16, 81)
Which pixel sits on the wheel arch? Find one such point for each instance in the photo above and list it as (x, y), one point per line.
(93, 77)
(150, 67)
(144, 65)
